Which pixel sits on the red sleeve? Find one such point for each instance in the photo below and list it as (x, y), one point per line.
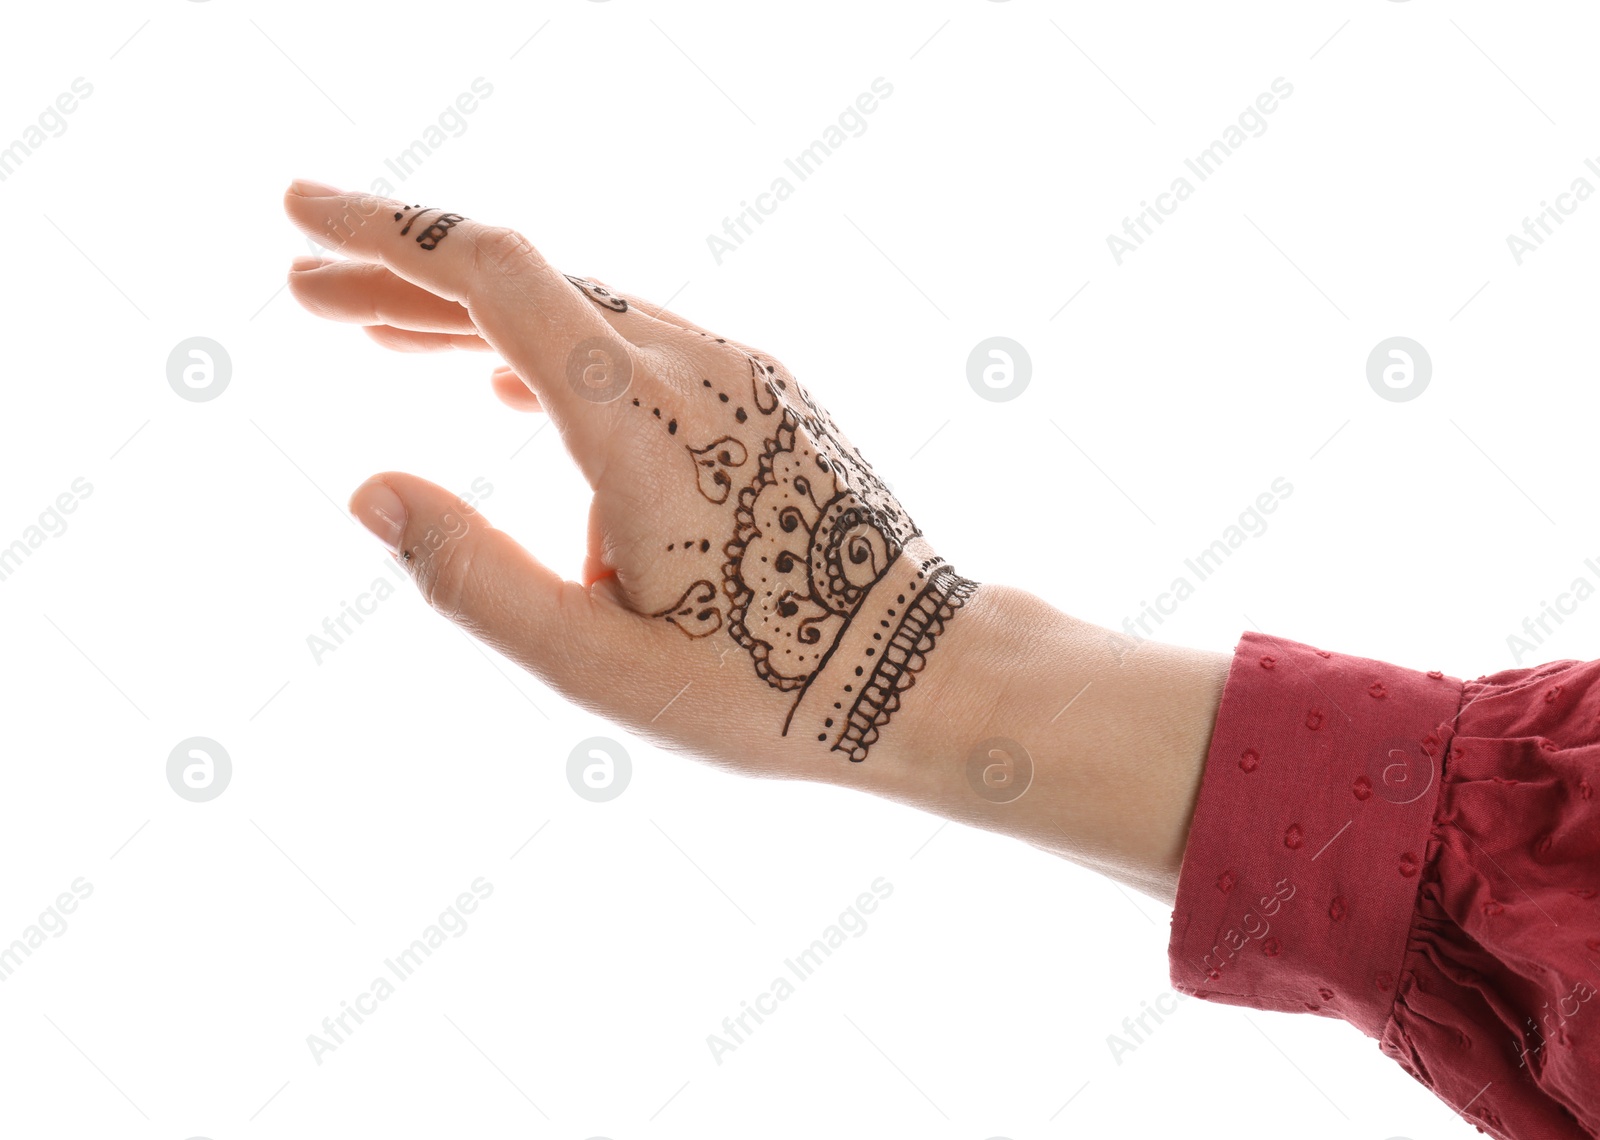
(1414, 854)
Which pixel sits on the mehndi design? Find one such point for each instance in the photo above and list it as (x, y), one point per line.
(599, 294)
(437, 229)
(825, 580)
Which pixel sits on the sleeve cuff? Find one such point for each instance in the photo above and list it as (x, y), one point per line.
(1300, 875)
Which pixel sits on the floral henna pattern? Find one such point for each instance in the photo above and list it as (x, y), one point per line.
(826, 582)
(807, 545)
(820, 595)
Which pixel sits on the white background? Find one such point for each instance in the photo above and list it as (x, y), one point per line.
(371, 788)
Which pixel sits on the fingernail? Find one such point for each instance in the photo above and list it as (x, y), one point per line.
(301, 264)
(380, 510)
(307, 188)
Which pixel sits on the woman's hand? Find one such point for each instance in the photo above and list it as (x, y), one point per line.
(752, 591)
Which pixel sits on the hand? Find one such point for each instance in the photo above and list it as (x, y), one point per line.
(752, 591)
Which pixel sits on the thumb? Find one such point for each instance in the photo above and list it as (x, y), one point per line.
(571, 637)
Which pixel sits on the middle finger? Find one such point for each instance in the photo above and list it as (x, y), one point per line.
(362, 293)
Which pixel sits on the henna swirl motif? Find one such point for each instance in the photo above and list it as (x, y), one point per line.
(812, 533)
(821, 598)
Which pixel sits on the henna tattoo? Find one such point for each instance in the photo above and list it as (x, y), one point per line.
(599, 294)
(764, 392)
(793, 583)
(711, 464)
(828, 584)
(437, 229)
(695, 613)
(864, 706)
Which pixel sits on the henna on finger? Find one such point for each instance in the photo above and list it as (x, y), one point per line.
(436, 231)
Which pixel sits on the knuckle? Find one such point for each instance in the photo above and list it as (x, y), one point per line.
(501, 250)
(501, 257)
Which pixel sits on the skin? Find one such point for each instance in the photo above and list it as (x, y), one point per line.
(1105, 741)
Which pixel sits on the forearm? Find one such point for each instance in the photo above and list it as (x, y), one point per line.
(1105, 739)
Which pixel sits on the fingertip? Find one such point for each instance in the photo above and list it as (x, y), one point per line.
(310, 188)
(377, 506)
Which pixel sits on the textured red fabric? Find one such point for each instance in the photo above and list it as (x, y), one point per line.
(1414, 854)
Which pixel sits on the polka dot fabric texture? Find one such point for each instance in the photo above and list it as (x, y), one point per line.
(1416, 855)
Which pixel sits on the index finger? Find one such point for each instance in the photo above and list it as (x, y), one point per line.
(525, 308)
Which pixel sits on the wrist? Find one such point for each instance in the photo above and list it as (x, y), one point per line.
(1058, 732)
